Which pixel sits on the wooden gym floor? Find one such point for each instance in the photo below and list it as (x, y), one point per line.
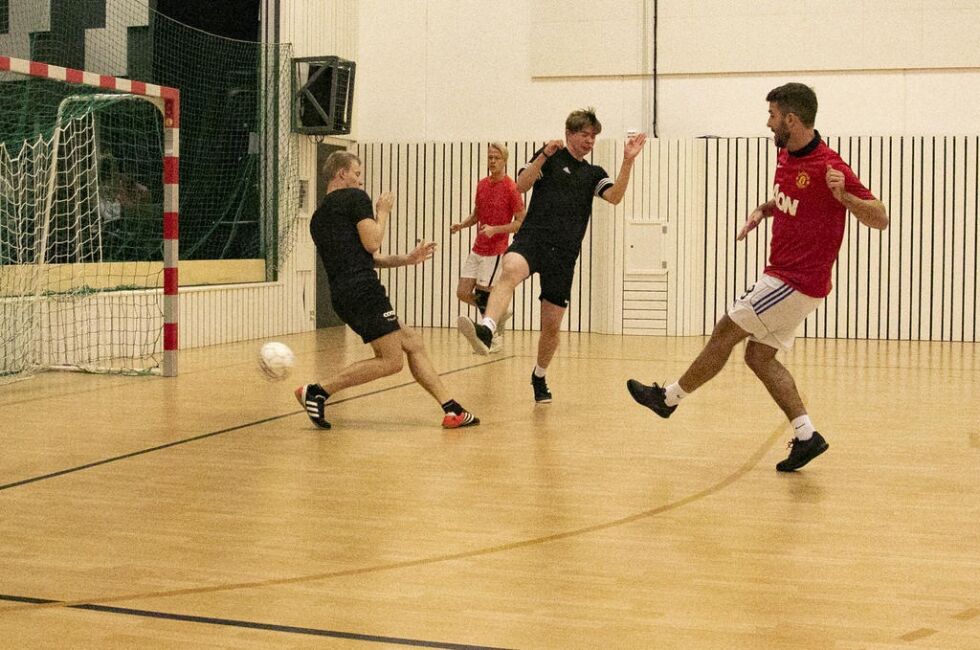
(207, 512)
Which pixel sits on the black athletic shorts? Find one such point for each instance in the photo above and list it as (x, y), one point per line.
(555, 266)
(366, 309)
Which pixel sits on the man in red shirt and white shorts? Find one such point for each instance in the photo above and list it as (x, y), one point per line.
(499, 211)
(813, 190)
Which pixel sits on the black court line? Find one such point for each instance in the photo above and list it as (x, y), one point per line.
(253, 625)
(202, 436)
(749, 464)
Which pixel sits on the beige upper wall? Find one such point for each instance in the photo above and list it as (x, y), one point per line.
(469, 69)
(739, 36)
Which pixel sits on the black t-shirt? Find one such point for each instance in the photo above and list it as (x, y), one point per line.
(561, 204)
(334, 231)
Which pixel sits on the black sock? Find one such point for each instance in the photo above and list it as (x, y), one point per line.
(481, 297)
(452, 406)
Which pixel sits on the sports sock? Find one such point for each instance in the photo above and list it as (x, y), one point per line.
(539, 371)
(803, 427)
(481, 296)
(490, 323)
(452, 407)
(674, 394)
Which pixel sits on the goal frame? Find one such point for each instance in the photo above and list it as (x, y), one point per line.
(167, 100)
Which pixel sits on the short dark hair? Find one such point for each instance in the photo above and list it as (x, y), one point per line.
(578, 120)
(337, 162)
(795, 98)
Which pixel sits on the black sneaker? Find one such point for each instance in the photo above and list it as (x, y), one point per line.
(802, 452)
(541, 393)
(313, 398)
(479, 336)
(653, 397)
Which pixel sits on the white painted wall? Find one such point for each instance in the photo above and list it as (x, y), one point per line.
(463, 69)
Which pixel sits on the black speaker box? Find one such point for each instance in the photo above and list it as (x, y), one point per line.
(323, 96)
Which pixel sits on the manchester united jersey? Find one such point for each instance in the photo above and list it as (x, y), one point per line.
(807, 221)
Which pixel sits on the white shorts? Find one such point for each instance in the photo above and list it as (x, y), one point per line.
(771, 311)
(483, 268)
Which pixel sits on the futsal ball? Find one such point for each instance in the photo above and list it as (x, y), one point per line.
(275, 360)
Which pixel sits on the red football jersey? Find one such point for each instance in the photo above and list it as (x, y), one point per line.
(496, 203)
(808, 222)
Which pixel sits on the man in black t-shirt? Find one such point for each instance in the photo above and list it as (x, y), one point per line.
(348, 239)
(550, 239)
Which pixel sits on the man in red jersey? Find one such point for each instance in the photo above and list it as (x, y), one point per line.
(813, 190)
(499, 211)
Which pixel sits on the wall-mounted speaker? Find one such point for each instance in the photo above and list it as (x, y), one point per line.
(323, 95)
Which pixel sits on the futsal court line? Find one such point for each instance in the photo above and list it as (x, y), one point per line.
(741, 471)
(253, 625)
(202, 436)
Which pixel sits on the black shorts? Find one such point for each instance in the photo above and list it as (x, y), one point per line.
(366, 309)
(555, 266)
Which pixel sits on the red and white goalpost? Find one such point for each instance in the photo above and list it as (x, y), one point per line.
(96, 195)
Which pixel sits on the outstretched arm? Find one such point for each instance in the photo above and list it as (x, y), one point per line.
(419, 254)
(760, 213)
(632, 149)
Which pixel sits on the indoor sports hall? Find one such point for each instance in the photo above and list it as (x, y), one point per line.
(159, 169)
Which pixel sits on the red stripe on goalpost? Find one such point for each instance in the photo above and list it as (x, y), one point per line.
(139, 87)
(170, 229)
(170, 336)
(74, 76)
(170, 281)
(4, 63)
(38, 69)
(171, 108)
(105, 81)
(171, 170)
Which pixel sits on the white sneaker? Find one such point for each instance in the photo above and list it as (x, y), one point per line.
(497, 344)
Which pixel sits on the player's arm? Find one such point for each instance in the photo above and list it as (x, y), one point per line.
(509, 228)
(531, 173)
(870, 212)
(764, 211)
(372, 231)
(419, 254)
(468, 223)
(632, 149)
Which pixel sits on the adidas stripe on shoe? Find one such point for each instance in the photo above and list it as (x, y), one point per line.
(313, 398)
(459, 420)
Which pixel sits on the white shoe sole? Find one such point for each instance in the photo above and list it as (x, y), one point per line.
(468, 330)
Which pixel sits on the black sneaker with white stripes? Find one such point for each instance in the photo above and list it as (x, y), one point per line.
(313, 398)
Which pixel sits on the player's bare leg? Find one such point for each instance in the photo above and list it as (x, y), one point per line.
(705, 366)
(775, 377)
(480, 335)
(464, 291)
(551, 317)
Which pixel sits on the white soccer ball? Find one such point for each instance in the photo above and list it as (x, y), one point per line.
(275, 360)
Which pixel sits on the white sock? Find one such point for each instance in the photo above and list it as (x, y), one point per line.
(803, 427)
(539, 371)
(489, 323)
(674, 394)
